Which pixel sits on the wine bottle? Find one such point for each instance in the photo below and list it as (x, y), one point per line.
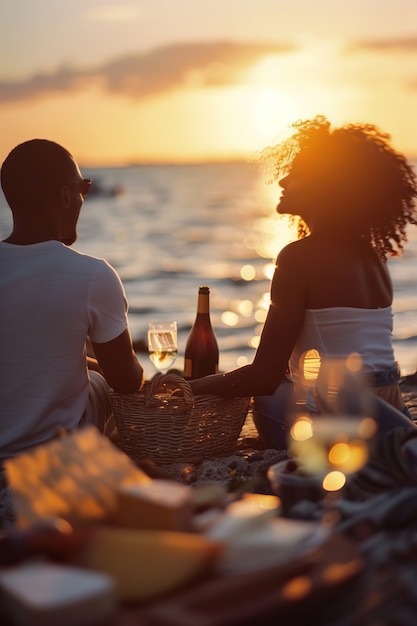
(201, 351)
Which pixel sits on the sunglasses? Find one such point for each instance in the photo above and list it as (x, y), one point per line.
(83, 186)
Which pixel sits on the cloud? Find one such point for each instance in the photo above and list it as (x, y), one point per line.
(404, 44)
(63, 80)
(144, 75)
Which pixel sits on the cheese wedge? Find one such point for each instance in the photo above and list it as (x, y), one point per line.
(73, 478)
(158, 505)
(46, 594)
(147, 563)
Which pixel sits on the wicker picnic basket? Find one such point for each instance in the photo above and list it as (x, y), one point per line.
(165, 423)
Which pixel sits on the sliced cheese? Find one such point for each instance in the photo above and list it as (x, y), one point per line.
(47, 594)
(158, 505)
(146, 563)
(250, 511)
(269, 543)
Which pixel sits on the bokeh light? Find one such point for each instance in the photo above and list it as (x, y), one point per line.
(245, 307)
(333, 481)
(302, 429)
(260, 315)
(248, 272)
(229, 318)
(268, 270)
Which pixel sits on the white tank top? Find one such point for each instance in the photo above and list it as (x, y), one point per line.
(341, 331)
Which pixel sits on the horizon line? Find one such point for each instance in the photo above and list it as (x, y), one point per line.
(183, 162)
(165, 162)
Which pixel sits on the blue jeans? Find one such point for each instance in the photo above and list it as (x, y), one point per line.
(271, 415)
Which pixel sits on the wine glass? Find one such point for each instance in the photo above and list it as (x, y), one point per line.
(162, 344)
(333, 444)
(331, 447)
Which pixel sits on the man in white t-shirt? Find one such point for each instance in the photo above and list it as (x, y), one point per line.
(54, 299)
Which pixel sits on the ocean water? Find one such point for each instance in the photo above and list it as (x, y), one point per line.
(169, 228)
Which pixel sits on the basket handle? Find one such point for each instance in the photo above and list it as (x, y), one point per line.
(163, 382)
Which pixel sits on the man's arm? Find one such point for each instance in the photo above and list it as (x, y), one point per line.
(119, 364)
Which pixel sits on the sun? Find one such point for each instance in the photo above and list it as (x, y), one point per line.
(274, 112)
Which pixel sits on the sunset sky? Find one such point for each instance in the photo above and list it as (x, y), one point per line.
(122, 81)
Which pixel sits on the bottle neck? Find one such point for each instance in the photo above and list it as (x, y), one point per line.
(203, 304)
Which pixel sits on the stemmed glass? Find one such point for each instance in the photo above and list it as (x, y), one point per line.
(162, 344)
(334, 443)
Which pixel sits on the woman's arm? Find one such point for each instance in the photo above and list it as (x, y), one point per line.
(280, 331)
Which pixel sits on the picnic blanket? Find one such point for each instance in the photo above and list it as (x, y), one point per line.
(379, 512)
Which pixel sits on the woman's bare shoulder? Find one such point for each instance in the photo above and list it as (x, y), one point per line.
(296, 251)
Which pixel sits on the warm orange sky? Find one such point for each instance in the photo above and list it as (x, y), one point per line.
(131, 80)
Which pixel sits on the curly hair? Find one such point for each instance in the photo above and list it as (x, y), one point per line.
(374, 183)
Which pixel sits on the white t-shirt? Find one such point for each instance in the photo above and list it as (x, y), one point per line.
(51, 299)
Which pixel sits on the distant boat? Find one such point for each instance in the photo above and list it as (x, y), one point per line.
(98, 189)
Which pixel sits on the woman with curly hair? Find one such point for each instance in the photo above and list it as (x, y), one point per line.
(353, 196)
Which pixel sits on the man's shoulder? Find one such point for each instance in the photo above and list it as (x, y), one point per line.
(86, 259)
